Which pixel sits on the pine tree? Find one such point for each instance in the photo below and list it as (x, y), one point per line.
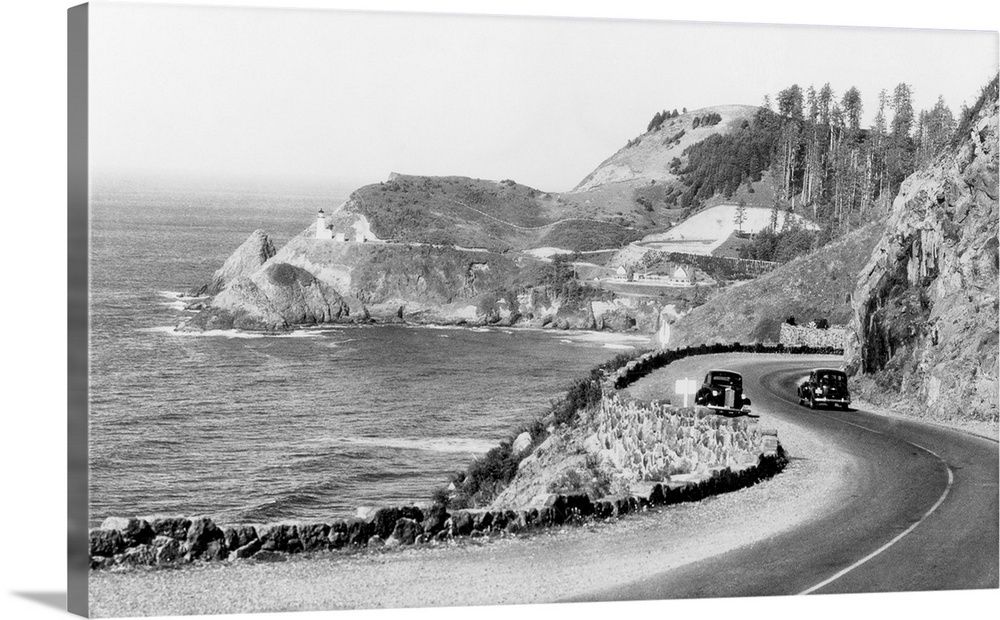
(901, 146)
(852, 108)
(879, 149)
(655, 123)
(935, 129)
(790, 108)
(813, 150)
(741, 215)
(853, 184)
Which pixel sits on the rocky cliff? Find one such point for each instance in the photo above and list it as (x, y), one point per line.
(245, 260)
(924, 317)
(313, 281)
(274, 297)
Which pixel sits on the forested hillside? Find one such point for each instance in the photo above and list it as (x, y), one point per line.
(819, 158)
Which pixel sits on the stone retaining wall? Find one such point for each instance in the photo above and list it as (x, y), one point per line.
(172, 541)
(803, 335)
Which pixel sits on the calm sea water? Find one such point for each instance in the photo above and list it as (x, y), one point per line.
(310, 425)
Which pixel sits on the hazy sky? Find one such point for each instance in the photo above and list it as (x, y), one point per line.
(348, 97)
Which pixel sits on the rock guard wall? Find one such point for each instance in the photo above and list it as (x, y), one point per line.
(172, 541)
(802, 335)
(655, 442)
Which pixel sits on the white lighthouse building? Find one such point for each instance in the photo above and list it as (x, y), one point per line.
(322, 231)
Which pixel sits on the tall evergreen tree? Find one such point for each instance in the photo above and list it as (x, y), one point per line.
(790, 102)
(825, 100)
(852, 108)
(934, 130)
(791, 110)
(901, 146)
(879, 149)
(813, 159)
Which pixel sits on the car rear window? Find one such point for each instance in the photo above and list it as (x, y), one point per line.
(831, 377)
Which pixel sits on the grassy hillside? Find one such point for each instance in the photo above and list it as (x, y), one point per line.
(451, 211)
(647, 157)
(819, 285)
(475, 213)
(644, 183)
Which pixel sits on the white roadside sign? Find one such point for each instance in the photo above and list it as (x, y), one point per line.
(686, 387)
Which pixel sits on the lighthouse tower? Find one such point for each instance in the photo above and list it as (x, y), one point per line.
(322, 232)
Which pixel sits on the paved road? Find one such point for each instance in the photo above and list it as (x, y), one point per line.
(923, 514)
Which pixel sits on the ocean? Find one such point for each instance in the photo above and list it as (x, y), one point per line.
(307, 425)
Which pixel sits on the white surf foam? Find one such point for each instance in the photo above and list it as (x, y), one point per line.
(465, 445)
(174, 299)
(625, 340)
(212, 333)
(234, 333)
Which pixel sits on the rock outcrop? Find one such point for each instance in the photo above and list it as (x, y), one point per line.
(924, 326)
(311, 281)
(254, 252)
(275, 297)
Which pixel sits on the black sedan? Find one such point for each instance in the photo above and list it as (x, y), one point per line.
(722, 391)
(825, 386)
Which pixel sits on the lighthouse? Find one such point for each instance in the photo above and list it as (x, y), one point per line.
(322, 232)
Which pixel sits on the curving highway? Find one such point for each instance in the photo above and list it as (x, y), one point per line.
(922, 513)
(918, 511)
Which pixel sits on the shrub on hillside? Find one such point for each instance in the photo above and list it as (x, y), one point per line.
(779, 247)
(588, 236)
(620, 360)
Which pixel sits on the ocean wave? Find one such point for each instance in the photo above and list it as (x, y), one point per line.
(212, 333)
(432, 326)
(173, 300)
(606, 338)
(464, 445)
(172, 294)
(235, 333)
(175, 305)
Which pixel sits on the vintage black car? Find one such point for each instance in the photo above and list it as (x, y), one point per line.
(825, 386)
(722, 391)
